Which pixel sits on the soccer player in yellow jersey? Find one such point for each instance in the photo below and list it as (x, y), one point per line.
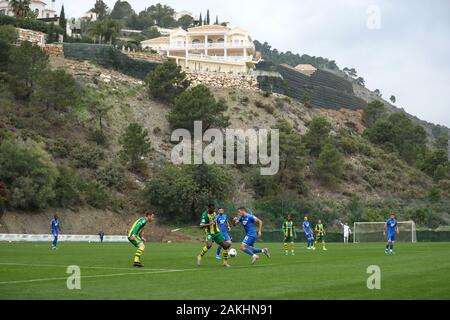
(290, 235)
(212, 231)
(135, 236)
(320, 235)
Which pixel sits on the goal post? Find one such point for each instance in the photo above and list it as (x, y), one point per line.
(373, 232)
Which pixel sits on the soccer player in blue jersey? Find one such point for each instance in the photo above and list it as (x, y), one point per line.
(55, 229)
(308, 233)
(391, 227)
(248, 244)
(225, 227)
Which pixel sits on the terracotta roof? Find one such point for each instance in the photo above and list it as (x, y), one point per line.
(212, 27)
(157, 40)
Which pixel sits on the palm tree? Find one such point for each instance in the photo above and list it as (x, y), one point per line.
(21, 8)
(104, 30)
(96, 29)
(112, 29)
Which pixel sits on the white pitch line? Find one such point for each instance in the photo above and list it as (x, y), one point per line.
(65, 266)
(90, 277)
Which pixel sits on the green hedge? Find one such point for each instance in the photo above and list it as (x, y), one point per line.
(30, 24)
(277, 236)
(109, 57)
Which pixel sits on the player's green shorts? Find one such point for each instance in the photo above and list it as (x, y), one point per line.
(320, 238)
(217, 238)
(289, 239)
(136, 242)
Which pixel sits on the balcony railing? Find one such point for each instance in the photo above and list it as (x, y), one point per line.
(209, 45)
(221, 58)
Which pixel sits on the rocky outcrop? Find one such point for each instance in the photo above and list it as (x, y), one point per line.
(148, 56)
(86, 69)
(346, 118)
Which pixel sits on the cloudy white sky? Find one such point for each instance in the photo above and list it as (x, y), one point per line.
(408, 56)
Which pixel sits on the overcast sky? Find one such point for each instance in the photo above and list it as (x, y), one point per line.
(405, 53)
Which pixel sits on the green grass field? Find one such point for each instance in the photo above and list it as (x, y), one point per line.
(33, 271)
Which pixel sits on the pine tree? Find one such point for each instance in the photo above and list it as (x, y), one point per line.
(217, 20)
(63, 21)
(208, 21)
(200, 22)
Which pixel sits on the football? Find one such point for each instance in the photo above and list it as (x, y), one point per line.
(232, 253)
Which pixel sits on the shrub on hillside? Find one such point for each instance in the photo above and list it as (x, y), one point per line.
(198, 104)
(167, 82)
(111, 175)
(318, 134)
(374, 111)
(180, 193)
(28, 173)
(330, 165)
(269, 108)
(135, 145)
(67, 193)
(55, 90)
(25, 65)
(87, 156)
(4, 197)
(398, 133)
(96, 195)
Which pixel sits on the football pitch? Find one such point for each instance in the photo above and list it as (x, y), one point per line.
(33, 271)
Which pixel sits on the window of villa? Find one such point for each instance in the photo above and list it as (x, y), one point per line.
(2, 12)
(221, 40)
(195, 41)
(36, 11)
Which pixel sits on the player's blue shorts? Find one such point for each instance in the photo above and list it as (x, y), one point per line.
(309, 235)
(391, 236)
(226, 236)
(249, 240)
(55, 233)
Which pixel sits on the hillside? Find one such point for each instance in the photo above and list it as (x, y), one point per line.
(372, 178)
(90, 136)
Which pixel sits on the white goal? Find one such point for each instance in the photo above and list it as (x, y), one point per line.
(373, 232)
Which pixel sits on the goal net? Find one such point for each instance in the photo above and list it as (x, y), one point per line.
(373, 232)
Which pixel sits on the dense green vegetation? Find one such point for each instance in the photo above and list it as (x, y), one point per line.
(277, 57)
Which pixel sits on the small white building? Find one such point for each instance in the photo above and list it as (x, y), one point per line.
(73, 27)
(40, 8)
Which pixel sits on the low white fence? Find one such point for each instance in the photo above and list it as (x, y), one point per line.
(65, 237)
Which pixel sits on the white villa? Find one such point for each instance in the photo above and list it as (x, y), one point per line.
(213, 48)
(40, 9)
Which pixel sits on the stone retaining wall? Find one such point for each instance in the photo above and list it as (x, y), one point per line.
(144, 56)
(54, 50)
(223, 80)
(31, 36)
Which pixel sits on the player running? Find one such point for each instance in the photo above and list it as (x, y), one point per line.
(225, 227)
(248, 244)
(320, 234)
(55, 229)
(308, 233)
(290, 235)
(347, 231)
(391, 226)
(135, 236)
(210, 224)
